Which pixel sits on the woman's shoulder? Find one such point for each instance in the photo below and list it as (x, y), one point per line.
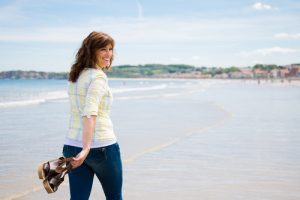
(96, 73)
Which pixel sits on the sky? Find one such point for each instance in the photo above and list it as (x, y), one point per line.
(44, 35)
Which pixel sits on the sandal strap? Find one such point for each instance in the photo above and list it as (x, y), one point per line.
(61, 168)
(69, 159)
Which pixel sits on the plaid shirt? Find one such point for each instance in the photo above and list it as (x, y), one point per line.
(90, 95)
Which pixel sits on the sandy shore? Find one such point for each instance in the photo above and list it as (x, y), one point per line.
(212, 140)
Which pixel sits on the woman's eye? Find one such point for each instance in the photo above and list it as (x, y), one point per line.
(110, 49)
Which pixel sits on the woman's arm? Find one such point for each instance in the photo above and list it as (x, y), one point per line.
(96, 90)
(87, 135)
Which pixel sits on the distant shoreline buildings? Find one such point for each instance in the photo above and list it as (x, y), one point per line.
(258, 71)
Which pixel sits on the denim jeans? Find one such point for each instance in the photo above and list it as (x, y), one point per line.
(106, 163)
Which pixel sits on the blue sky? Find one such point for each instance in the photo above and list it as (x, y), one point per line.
(45, 34)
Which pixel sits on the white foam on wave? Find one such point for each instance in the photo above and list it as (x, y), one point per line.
(61, 96)
(39, 98)
(134, 89)
(137, 97)
(167, 95)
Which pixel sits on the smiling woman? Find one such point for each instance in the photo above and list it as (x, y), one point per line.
(95, 52)
(91, 141)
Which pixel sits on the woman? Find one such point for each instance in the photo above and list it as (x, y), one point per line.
(91, 140)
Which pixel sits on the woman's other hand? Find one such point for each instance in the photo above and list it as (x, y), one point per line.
(79, 159)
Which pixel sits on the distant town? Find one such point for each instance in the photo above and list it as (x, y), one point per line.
(258, 71)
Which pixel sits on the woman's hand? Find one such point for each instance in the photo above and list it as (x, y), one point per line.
(79, 159)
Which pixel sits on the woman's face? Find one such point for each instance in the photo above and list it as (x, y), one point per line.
(104, 55)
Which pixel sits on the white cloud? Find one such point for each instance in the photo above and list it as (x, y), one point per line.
(273, 50)
(61, 34)
(155, 30)
(142, 31)
(130, 30)
(287, 36)
(268, 51)
(261, 6)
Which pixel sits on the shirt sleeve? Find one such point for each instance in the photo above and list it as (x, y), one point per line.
(96, 91)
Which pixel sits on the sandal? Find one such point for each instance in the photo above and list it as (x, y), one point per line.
(51, 183)
(53, 172)
(52, 167)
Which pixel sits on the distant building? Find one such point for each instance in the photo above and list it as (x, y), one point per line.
(258, 73)
(235, 75)
(295, 70)
(193, 74)
(247, 73)
(283, 73)
(274, 73)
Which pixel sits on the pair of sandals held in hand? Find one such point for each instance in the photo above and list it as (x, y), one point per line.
(53, 172)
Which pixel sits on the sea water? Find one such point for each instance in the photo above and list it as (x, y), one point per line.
(180, 139)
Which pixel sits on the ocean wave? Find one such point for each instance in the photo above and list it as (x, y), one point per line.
(137, 97)
(166, 95)
(37, 99)
(134, 89)
(61, 96)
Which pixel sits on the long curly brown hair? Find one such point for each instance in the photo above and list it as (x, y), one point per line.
(86, 55)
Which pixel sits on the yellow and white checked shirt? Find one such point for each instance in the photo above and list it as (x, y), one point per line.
(90, 95)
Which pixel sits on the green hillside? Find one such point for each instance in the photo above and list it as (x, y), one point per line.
(149, 70)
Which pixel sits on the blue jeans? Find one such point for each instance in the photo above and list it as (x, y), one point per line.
(106, 163)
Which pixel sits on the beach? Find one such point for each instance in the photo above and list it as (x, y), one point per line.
(180, 139)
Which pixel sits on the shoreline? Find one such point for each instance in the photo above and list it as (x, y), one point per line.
(294, 82)
(293, 79)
